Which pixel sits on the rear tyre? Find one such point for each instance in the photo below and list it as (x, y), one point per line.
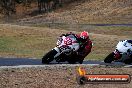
(109, 58)
(131, 56)
(47, 58)
(71, 61)
(128, 61)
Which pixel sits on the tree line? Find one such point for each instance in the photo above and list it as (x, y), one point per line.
(8, 7)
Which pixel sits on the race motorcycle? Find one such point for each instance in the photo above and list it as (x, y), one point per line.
(66, 47)
(123, 48)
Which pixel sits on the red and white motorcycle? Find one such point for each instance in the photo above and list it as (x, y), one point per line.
(122, 48)
(66, 46)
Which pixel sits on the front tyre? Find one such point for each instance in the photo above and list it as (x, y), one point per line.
(48, 57)
(109, 58)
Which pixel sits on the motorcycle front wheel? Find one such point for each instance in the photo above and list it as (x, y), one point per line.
(109, 58)
(48, 57)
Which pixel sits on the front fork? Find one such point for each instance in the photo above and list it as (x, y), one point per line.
(58, 52)
(59, 55)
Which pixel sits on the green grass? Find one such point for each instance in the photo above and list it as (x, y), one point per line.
(13, 45)
(115, 27)
(26, 42)
(25, 46)
(35, 42)
(94, 56)
(81, 27)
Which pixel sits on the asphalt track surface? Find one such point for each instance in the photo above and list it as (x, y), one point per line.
(29, 62)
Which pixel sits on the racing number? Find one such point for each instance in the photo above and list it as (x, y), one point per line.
(68, 41)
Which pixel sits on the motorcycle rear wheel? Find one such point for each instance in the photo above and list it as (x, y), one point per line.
(71, 62)
(74, 59)
(48, 57)
(128, 61)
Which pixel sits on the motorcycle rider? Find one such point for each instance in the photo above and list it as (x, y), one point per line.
(123, 47)
(130, 50)
(128, 46)
(85, 45)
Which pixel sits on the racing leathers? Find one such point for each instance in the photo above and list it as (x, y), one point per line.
(124, 46)
(84, 49)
